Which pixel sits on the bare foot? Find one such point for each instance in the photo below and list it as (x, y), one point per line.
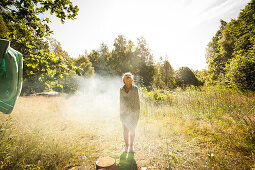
(125, 149)
(132, 149)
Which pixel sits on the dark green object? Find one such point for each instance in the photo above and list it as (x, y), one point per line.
(127, 161)
(11, 73)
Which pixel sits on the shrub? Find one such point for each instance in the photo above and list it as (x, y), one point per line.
(185, 77)
(241, 72)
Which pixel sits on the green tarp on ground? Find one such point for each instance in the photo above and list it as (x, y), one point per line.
(11, 72)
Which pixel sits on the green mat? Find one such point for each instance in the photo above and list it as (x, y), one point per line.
(11, 73)
(127, 162)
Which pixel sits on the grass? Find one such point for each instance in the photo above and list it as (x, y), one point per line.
(192, 129)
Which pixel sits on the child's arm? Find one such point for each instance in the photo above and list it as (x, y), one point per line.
(121, 103)
(137, 100)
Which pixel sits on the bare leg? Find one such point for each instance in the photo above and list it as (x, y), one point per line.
(125, 134)
(132, 137)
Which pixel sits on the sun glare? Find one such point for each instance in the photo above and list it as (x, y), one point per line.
(177, 30)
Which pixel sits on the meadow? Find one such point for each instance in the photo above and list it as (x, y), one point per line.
(210, 128)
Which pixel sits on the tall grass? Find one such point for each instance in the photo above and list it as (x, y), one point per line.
(31, 150)
(182, 129)
(220, 121)
(32, 137)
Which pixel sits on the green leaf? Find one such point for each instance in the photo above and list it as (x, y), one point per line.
(30, 46)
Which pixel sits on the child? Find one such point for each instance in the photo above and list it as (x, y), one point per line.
(129, 110)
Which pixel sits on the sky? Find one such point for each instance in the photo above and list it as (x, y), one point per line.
(177, 30)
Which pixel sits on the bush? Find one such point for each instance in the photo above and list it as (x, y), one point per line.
(241, 72)
(185, 77)
(156, 95)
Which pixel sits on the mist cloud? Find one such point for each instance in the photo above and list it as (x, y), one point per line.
(97, 97)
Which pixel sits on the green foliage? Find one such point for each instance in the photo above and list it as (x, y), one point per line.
(98, 60)
(202, 76)
(3, 28)
(119, 56)
(30, 150)
(125, 57)
(84, 66)
(146, 63)
(213, 57)
(241, 72)
(156, 96)
(49, 70)
(219, 121)
(185, 77)
(168, 74)
(157, 79)
(164, 76)
(49, 80)
(69, 82)
(232, 40)
(128, 57)
(27, 32)
(43, 68)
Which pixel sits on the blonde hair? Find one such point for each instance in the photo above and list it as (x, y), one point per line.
(127, 73)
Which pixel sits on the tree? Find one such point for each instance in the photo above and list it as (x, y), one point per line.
(157, 79)
(185, 77)
(118, 61)
(84, 66)
(202, 76)
(25, 28)
(243, 30)
(56, 48)
(167, 72)
(233, 42)
(146, 63)
(124, 57)
(214, 58)
(3, 28)
(23, 15)
(102, 65)
(241, 72)
(27, 32)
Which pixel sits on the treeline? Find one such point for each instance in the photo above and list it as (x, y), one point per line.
(138, 59)
(48, 67)
(125, 56)
(230, 54)
(20, 23)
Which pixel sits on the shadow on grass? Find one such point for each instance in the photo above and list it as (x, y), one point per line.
(127, 162)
